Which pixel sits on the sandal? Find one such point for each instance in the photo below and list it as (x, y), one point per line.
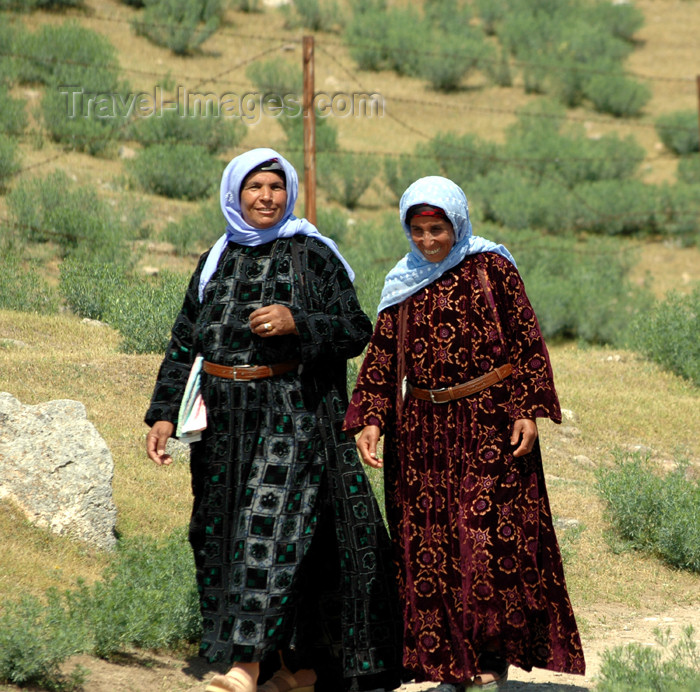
(284, 681)
(494, 666)
(236, 680)
(448, 687)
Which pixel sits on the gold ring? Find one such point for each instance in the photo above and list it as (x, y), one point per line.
(267, 326)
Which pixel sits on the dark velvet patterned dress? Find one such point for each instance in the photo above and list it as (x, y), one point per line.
(288, 540)
(478, 558)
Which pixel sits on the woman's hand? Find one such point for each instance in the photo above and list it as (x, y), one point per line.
(272, 320)
(367, 446)
(525, 431)
(156, 440)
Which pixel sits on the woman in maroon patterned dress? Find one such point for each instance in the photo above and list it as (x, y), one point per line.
(455, 376)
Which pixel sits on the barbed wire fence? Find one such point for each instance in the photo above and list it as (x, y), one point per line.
(331, 50)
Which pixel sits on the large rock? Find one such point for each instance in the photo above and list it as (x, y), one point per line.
(57, 468)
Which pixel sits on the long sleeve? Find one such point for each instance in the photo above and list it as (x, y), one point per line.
(532, 391)
(330, 323)
(179, 356)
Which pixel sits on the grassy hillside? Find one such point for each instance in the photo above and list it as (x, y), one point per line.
(618, 400)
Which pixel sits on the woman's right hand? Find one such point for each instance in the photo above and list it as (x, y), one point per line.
(156, 439)
(366, 443)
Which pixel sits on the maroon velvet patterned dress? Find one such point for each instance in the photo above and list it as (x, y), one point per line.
(479, 564)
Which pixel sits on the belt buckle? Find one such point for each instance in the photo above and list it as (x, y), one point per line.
(235, 378)
(435, 391)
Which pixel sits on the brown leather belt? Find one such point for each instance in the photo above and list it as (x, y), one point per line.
(248, 372)
(442, 396)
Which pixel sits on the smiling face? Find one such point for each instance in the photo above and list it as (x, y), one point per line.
(433, 236)
(263, 199)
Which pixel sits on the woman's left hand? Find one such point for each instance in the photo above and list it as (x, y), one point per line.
(272, 320)
(525, 431)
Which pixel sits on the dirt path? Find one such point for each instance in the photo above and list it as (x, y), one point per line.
(605, 628)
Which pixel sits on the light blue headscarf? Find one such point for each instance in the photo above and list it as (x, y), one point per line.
(239, 231)
(413, 272)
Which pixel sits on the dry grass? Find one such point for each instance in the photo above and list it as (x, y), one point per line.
(618, 399)
(66, 358)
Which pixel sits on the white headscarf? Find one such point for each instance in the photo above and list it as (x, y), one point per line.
(240, 231)
(414, 271)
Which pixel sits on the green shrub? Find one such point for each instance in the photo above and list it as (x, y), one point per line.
(624, 207)
(689, 169)
(491, 13)
(80, 105)
(401, 46)
(143, 315)
(452, 56)
(293, 127)
(364, 6)
(35, 639)
(180, 25)
(346, 176)
(54, 209)
(561, 46)
(512, 199)
(214, 131)
(147, 598)
(23, 287)
(366, 35)
(536, 70)
(10, 33)
(679, 131)
(668, 334)
(448, 16)
(461, 158)
(181, 171)
(498, 69)
(675, 214)
(401, 171)
(196, 231)
(141, 310)
(583, 50)
(276, 78)
(617, 94)
(71, 119)
(579, 289)
(30, 5)
(89, 288)
(440, 46)
(655, 512)
(247, 5)
(316, 15)
(375, 249)
(547, 150)
(640, 668)
(332, 223)
(60, 54)
(13, 116)
(9, 160)
(622, 19)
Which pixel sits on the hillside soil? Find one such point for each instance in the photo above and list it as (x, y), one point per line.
(607, 628)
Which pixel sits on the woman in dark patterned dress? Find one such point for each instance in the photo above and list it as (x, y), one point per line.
(480, 573)
(289, 545)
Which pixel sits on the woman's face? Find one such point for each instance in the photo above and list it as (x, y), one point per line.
(433, 236)
(263, 199)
